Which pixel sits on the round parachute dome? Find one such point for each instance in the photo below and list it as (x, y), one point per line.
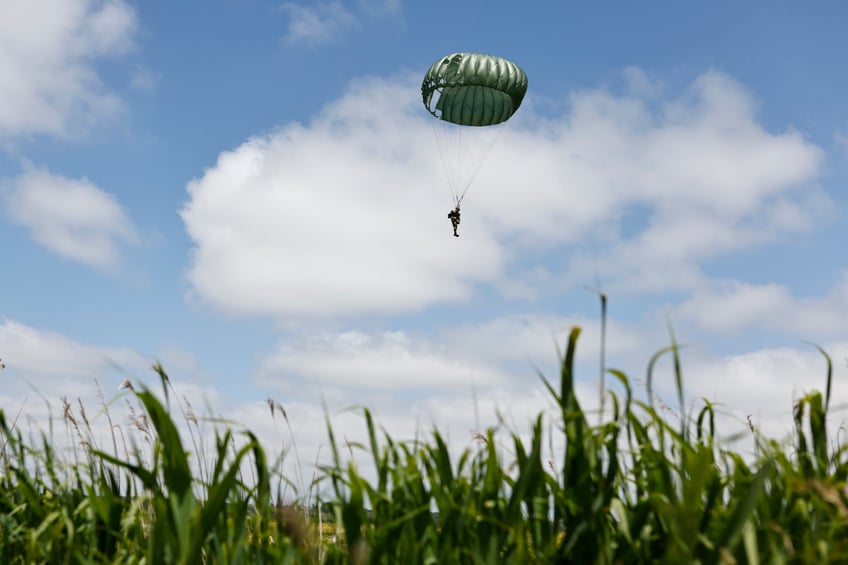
(473, 89)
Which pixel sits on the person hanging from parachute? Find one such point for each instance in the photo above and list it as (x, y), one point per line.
(469, 89)
(453, 216)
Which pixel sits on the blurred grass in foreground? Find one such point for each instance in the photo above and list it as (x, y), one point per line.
(637, 487)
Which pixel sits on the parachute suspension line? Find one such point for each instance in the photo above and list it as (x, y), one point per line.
(445, 151)
(494, 134)
(463, 151)
(452, 149)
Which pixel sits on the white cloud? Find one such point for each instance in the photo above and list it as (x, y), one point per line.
(58, 365)
(324, 22)
(318, 23)
(639, 83)
(50, 376)
(388, 361)
(763, 384)
(712, 178)
(409, 383)
(71, 217)
(533, 340)
(339, 218)
(727, 307)
(458, 379)
(357, 192)
(48, 50)
(666, 254)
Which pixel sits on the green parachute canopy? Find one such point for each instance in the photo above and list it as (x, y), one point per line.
(473, 89)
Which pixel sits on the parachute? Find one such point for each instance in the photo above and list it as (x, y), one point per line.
(470, 89)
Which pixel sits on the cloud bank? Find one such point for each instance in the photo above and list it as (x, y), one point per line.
(345, 215)
(49, 50)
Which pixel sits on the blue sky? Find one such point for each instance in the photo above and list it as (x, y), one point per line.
(251, 192)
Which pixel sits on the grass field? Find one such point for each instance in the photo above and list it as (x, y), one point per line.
(640, 486)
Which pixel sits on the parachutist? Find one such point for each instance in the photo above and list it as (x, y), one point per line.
(453, 216)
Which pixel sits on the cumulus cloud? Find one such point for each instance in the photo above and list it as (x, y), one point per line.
(72, 391)
(526, 341)
(411, 383)
(57, 365)
(762, 384)
(356, 192)
(324, 22)
(727, 307)
(457, 378)
(48, 51)
(713, 181)
(318, 23)
(71, 217)
(385, 361)
(703, 150)
(341, 217)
